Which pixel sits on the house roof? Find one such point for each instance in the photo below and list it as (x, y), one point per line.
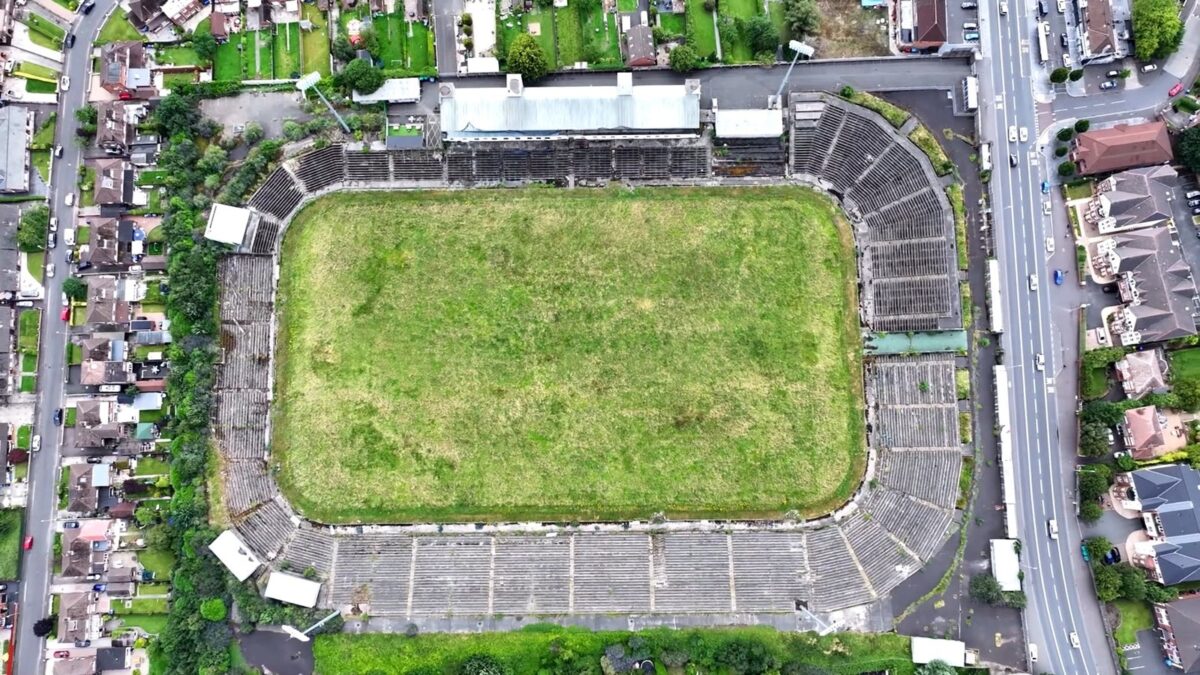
(516, 110)
(113, 181)
(1146, 431)
(1098, 20)
(144, 11)
(234, 555)
(14, 148)
(123, 65)
(113, 128)
(82, 496)
(106, 372)
(292, 589)
(1123, 146)
(217, 27)
(74, 608)
(1184, 615)
(112, 658)
(1142, 373)
(79, 665)
(104, 305)
(639, 46)
(98, 436)
(930, 29)
(1156, 284)
(76, 554)
(1172, 492)
(1137, 197)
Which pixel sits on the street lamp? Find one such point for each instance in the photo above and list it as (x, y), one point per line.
(310, 82)
(799, 48)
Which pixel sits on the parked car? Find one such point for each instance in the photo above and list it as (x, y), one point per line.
(1196, 212)
(92, 577)
(1045, 187)
(52, 240)
(70, 40)
(54, 224)
(62, 654)
(58, 151)
(1062, 37)
(66, 314)
(1041, 8)
(1003, 7)
(1024, 134)
(1175, 90)
(95, 460)
(58, 416)
(50, 271)
(971, 37)
(1192, 194)
(1149, 68)
(1194, 202)
(1108, 84)
(99, 588)
(969, 5)
(1059, 277)
(1049, 244)
(71, 525)
(36, 443)
(64, 82)
(1062, 6)
(1116, 554)
(28, 543)
(88, 6)
(83, 643)
(1087, 557)
(1113, 73)
(69, 200)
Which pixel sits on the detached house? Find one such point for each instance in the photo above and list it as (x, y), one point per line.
(147, 15)
(1142, 373)
(124, 72)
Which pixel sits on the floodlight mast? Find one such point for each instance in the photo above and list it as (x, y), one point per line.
(799, 48)
(310, 81)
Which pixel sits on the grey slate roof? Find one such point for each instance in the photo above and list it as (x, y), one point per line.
(1139, 197)
(1172, 492)
(14, 148)
(1157, 284)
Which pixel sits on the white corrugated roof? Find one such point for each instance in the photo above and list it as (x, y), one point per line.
(491, 111)
(234, 555)
(749, 123)
(293, 589)
(951, 652)
(396, 90)
(227, 224)
(483, 64)
(1006, 564)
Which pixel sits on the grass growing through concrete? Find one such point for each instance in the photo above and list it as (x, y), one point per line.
(568, 355)
(578, 650)
(895, 115)
(929, 145)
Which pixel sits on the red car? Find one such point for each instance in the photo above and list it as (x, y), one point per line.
(66, 314)
(1175, 90)
(28, 543)
(62, 655)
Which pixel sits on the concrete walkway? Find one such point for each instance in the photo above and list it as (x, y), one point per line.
(22, 41)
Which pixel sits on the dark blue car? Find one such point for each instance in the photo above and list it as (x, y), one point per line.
(1045, 187)
(1059, 276)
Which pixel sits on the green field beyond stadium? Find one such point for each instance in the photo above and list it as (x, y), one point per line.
(568, 355)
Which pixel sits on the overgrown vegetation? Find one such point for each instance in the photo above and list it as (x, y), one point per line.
(894, 114)
(929, 145)
(601, 339)
(553, 649)
(958, 204)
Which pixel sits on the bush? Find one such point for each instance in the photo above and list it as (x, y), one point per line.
(1065, 134)
(213, 609)
(483, 664)
(1066, 169)
(1060, 151)
(525, 56)
(1075, 75)
(1082, 126)
(31, 229)
(1059, 75)
(1090, 512)
(985, 588)
(684, 59)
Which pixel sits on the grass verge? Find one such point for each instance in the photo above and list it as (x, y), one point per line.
(10, 542)
(929, 145)
(895, 115)
(600, 338)
(958, 204)
(1135, 616)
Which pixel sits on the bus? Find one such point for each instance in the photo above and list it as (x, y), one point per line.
(971, 92)
(1042, 34)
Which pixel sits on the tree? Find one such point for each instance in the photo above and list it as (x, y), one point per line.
(1093, 440)
(525, 56)
(177, 114)
(368, 39)
(1075, 75)
(18, 456)
(745, 655)
(1108, 583)
(1187, 389)
(801, 17)
(213, 609)
(43, 627)
(87, 117)
(1092, 486)
(1097, 547)
(1059, 75)
(1187, 148)
(31, 229)
(483, 664)
(1090, 512)
(1133, 581)
(253, 133)
(205, 46)
(761, 34)
(342, 49)
(936, 667)
(1082, 125)
(1157, 28)
(1066, 169)
(1160, 593)
(985, 588)
(684, 59)
(362, 76)
(1065, 134)
(74, 288)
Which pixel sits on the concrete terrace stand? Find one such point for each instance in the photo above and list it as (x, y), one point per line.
(842, 566)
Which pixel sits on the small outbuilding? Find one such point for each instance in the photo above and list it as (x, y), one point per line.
(227, 224)
(292, 589)
(396, 90)
(234, 555)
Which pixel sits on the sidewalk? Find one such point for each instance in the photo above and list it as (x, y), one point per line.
(22, 42)
(56, 9)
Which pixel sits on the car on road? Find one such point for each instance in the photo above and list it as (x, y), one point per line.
(1066, 59)
(64, 82)
(1108, 84)
(58, 416)
(1012, 161)
(1175, 90)
(1049, 244)
(1041, 8)
(1066, 42)
(1192, 194)
(1052, 527)
(1062, 6)
(69, 200)
(88, 6)
(1059, 277)
(69, 236)
(1033, 283)
(54, 224)
(83, 643)
(71, 525)
(36, 443)
(62, 654)
(70, 41)
(1149, 68)
(58, 151)
(970, 5)
(1045, 187)
(1024, 134)
(95, 460)
(1074, 639)
(50, 271)
(1003, 7)
(1087, 557)
(1012, 134)
(1039, 362)
(52, 239)
(99, 588)
(1046, 207)
(65, 315)
(1032, 652)
(28, 543)
(93, 576)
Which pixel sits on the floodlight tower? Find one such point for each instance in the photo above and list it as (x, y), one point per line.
(303, 635)
(799, 48)
(310, 81)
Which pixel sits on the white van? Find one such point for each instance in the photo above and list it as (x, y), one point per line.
(69, 236)
(1032, 653)
(1052, 525)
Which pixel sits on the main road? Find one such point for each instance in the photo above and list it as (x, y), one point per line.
(1061, 603)
(44, 465)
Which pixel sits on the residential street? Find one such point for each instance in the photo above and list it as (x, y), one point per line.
(44, 466)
